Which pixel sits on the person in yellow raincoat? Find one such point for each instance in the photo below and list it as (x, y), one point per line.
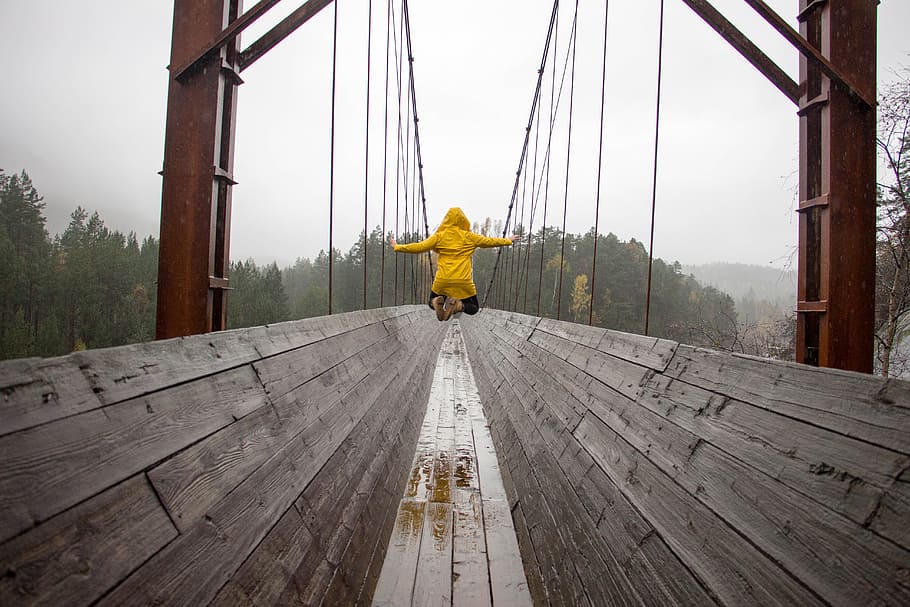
(453, 289)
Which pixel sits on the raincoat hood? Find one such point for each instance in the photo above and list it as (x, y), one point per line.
(455, 217)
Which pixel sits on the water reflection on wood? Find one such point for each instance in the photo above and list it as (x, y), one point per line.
(453, 541)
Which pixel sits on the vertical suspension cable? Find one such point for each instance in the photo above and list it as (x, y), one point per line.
(398, 153)
(660, 54)
(546, 189)
(332, 155)
(385, 151)
(573, 40)
(366, 163)
(524, 305)
(600, 155)
(534, 105)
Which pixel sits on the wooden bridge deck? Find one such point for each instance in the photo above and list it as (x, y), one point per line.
(267, 466)
(453, 542)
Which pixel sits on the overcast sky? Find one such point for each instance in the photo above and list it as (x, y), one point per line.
(83, 112)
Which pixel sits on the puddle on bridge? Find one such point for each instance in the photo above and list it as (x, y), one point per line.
(453, 541)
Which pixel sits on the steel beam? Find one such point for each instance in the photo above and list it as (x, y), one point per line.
(197, 175)
(865, 94)
(836, 290)
(281, 31)
(229, 33)
(746, 48)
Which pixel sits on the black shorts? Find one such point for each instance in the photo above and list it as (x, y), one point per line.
(471, 305)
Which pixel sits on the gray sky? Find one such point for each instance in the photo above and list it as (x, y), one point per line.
(83, 112)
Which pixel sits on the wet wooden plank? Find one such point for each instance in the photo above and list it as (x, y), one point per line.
(233, 527)
(650, 352)
(433, 580)
(865, 407)
(69, 460)
(262, 578)
(771, 525)
(288, 371)
(846, 475)
(732, 568)
(195, 479)
(396, 582)
(77, 556)
(508, 584)
(470, 572)
(36, 391)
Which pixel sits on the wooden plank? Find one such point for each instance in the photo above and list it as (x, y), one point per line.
(533, 576)
(198, 477)
(508, 584)
(645, 432)
(622, 527)
(234, 526)
(732, 568)
(396, 582)
(288, 371)
(846, 475)
(77, 556)
(650, 352)
(262, 578)
(470, 572)
(433, 581)
(864, 407)
(51, 467)
(36, 391)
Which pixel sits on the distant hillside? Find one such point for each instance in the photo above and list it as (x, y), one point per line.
(757, 290)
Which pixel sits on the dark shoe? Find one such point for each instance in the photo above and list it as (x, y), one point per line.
(438, 303)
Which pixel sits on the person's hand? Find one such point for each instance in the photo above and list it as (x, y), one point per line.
(515, 237)
(392, 241)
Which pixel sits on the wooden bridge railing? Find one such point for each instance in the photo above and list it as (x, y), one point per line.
(644, 472)
(231, 468)
(264, 466)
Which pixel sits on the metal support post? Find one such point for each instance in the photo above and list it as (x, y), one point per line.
(198, 172)
(836, 290)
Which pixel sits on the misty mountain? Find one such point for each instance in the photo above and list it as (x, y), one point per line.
(759, 291)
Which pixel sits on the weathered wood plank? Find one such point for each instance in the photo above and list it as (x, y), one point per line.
(731, 567)
(470, 572)
(433, 581)
(51, 467)
(536, 587)
(770, 526)
(396, 582)
(650, 352)
(77, 556)
(846, 475)
(198, 477)
(36, 391)
(234, 526)
(860, 406)
(262, 578)
(288, 371)
(508, 584)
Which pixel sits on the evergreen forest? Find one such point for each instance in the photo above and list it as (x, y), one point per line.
(93, 287)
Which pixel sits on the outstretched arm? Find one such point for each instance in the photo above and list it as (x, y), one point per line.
(485, 242)
(414, 247)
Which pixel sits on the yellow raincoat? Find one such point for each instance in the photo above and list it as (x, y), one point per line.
(454, 242)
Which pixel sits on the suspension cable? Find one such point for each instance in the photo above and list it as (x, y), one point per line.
(332, 154)
(600, 155)
(385, 152)
(366, 163)
(522, 156)
(565, 205)
(660, 51)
